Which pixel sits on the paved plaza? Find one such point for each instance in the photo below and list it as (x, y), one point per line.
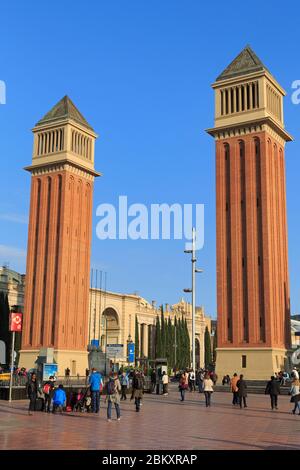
(163, 423)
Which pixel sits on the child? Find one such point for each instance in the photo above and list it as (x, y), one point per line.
(59, 399)
(78, 405)
(88, 402)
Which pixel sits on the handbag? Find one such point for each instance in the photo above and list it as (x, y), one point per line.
(292, 400)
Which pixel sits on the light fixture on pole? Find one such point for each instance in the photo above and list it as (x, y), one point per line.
(193, 292)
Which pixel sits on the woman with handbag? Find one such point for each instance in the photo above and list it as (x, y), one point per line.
(183, 384)
(295, 398)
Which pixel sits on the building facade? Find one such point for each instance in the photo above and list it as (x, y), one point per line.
(253, 301)
(12, 284)
(113, 321)
(59, 237)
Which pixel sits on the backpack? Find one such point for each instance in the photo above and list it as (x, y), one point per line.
(139, 383)
(46, 389)
(111, 389)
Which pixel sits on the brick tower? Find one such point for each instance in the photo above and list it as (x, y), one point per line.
(253, 303)
(59, 239)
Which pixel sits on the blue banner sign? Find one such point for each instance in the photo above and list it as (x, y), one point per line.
(130, 352)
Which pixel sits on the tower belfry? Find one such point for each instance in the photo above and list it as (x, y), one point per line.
(59, 238)
(253, 303)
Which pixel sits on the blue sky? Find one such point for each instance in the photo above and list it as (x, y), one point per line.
(140, 72)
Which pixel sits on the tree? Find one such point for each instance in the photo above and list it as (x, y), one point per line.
(215, 343)
(163, 333)
(207, 346)
(158, 345)
(137, 342)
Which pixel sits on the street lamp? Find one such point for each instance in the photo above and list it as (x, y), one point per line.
(193, 292)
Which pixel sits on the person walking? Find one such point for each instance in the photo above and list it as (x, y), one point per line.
(183, 384)
(59, 399)
(200, 378)
(234, 389)
(95, 384)
(192, 381)
(208, 389)
(124, 381)
(137, 390)
(153, 380)
(295, 398)
(48, 390)
(113, 396)
(165, 382)
(273, 389)
(242, 391)
(32, 390)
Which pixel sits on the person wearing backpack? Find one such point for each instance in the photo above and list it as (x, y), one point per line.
(95, 384)
(137, 390)
(113, 396)
(48, 390)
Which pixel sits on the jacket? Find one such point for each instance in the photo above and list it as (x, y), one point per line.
(32, 389)
(295, 390)
(242, 388)
(95, 381)
(115, 397)
(208, 385)
(273, 387)
(59, 397)
(124, 380)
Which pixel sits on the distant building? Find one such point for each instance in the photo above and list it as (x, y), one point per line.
(12, 284)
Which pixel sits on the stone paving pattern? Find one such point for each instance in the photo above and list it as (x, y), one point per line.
(163, 423)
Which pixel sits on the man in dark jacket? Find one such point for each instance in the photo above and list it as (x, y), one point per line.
(273, 389)
(242, 391)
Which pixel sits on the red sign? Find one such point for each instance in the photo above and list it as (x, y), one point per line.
(16, 322)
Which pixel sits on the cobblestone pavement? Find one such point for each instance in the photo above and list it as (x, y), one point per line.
(163, 423)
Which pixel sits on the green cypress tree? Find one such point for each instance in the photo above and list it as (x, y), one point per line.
(137, 342)
(170, 348)
(163, 333)
(187, 345)
(207, 346)
(175, 342)
(215, 343)
(157, 338)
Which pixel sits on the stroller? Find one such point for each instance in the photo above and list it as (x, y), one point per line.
(81, 401)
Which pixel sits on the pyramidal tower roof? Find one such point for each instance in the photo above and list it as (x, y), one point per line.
(246, 62)
(64, 109)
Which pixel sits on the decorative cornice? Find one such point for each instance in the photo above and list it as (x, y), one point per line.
(240, 129)
(62, 166)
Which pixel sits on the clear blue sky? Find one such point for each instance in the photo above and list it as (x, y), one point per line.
(140, 72)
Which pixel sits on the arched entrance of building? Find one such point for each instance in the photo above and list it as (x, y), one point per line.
(110, 327)
(197, 352)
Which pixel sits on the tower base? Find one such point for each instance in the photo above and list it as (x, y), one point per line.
(254, 363)
(76, 361)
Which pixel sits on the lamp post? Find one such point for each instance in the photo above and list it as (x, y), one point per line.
(193, 292)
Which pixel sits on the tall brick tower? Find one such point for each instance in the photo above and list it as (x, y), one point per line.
(59, 239)
(253, 302)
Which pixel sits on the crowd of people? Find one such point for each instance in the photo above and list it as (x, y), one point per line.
(55, 399)
(52, 398)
